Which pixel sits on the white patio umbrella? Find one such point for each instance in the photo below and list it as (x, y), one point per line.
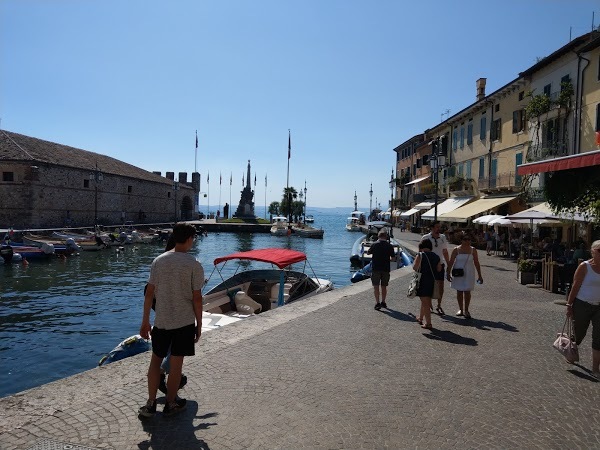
(485, 220)
(531, 217)
(500, 220)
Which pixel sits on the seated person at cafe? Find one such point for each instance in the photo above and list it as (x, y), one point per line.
(579, 253)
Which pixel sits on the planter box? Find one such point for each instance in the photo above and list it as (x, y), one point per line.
(526, 277)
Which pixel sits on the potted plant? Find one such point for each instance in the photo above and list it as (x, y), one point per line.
(526, 270)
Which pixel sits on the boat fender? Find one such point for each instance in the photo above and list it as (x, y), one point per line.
(48, 249)
(133, 345)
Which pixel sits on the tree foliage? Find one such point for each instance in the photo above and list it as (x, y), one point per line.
(574, 191)
(274, 208)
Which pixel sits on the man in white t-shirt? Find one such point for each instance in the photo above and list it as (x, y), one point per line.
(439, 245)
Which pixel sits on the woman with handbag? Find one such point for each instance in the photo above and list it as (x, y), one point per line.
(461, 273)
(583, 304)
(428, 263)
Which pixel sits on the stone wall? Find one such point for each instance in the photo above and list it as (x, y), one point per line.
(48, 196)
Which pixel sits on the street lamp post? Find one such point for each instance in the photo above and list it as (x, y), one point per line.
(97, 177)
(436, 162)
(371, 202)
(392, 184)
(304, 201)
(355, 204)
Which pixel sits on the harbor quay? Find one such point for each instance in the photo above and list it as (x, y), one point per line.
(330, 372)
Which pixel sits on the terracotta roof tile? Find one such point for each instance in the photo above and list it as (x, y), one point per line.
(18, 147)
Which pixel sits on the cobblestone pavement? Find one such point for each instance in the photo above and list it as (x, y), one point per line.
(331, 372)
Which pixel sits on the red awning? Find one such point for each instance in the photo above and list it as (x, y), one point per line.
(567, 162)
(281, 257)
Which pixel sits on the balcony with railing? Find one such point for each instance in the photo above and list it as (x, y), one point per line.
(503, 181)
(547, 150)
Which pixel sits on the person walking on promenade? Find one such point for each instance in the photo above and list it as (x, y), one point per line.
(583, 304)
(383, 253)
(439, 247)
(176, 280)
(428, 263)
(461, 273)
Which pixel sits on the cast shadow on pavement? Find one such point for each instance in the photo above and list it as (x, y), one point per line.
(480, 323)
(584, 373)
(178, 431)
(450, 337)
(399, 315)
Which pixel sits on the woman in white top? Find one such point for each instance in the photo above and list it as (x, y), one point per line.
(583, 304)
(464, 257)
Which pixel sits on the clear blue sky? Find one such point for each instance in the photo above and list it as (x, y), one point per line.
(352, 79)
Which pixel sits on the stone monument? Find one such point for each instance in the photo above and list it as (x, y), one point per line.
(245, 209)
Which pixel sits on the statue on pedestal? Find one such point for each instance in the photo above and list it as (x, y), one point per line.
(245, 209)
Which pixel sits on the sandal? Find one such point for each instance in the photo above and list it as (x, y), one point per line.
(427, 327)
(420, 321)
(440, 311)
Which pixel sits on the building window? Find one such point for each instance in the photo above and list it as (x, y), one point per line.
(469, 168)
(496, 130)
(418, 163)
(482, 128)
(8, 176)
(482, 167)
(462, 136)
(565, 79)
(598, 117)
(518, 124)
(460, 170)
(425, 160)
(86, 183)
(168, 194)
(129, 189)
(470, 133)
(521, 95)
(455, 139)
(547, 89)
(497, 107)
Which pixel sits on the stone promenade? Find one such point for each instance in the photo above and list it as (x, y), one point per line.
(331, 372)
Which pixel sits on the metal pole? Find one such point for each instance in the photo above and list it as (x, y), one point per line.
(371, 202)
(305, 201)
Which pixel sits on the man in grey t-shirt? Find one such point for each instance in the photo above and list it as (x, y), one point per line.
(176, 280)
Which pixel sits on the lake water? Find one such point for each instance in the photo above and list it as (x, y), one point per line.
(59, 317)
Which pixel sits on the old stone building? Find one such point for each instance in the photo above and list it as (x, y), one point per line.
(44, 185)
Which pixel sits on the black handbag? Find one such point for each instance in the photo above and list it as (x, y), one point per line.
(458, 272)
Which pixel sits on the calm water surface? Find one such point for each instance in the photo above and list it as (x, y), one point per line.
(59, 317)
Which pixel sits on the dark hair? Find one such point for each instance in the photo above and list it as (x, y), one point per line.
(437, 222)
(170, 243)
(466, 236)
(425, 243)
(182, 232)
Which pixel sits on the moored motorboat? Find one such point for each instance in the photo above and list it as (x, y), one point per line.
(359, 254)
(304, 230)
(258, 290)
(309, 219)
(9, 250)
(61, 247)
(354, 222)
(280, 226)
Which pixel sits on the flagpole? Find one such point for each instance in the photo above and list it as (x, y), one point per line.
(265, 196)
(208, 195)
(196, 154)
(220, 180)
(288, 178)
(230, 183)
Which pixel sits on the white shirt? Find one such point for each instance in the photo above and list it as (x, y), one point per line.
(590, 287)
(438, 245)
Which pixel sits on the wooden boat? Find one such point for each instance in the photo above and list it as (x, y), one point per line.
(61, 247)
(257, 290)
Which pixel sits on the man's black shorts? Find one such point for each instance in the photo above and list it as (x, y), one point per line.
(180, 341)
